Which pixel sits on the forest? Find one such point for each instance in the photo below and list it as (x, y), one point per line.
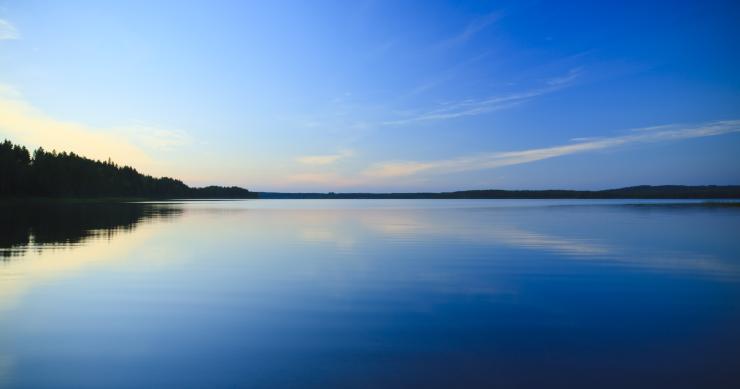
(68, 175)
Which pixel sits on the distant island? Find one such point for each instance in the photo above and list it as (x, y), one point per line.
(68, 175)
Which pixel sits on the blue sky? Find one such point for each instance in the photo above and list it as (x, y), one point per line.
(377, 96)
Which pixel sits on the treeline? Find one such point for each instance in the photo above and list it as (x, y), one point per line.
(52, 174)
(633, 192)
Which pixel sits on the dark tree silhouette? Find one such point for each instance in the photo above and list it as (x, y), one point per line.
(52, 174)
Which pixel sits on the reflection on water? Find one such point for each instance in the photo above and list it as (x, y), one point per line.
(41, 241)
(44, 225)
(370, 294)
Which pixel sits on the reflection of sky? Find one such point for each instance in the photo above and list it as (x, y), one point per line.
(43, 263)
(351, 227)
(587, 246)
(277, 287)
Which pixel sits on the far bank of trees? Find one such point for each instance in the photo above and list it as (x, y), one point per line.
(51, 174)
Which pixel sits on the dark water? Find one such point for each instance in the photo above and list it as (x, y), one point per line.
(414, 293)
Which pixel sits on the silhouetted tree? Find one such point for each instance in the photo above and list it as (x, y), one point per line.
(52, 174)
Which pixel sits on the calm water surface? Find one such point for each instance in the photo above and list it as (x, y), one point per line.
(362, 293)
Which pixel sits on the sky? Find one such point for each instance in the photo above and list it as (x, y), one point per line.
(381, 95)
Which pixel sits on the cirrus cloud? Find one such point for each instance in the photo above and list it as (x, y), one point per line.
(325, 159)
(8, 31)
(508, 158)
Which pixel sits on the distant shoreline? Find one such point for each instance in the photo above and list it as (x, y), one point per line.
(646, 192)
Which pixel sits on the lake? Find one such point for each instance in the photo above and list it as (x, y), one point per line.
(370, 293)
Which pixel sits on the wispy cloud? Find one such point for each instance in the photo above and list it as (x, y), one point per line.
(8, 31)
(319, 180)
(470, 30)
(508, 158)
(444, 77)
(326, 159)
(566, 78)
(155, 138)
(473, 107)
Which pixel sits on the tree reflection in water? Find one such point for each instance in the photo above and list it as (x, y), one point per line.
(38, 225)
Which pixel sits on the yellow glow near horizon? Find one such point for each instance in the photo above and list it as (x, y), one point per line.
(22, 123)
(47, 264)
